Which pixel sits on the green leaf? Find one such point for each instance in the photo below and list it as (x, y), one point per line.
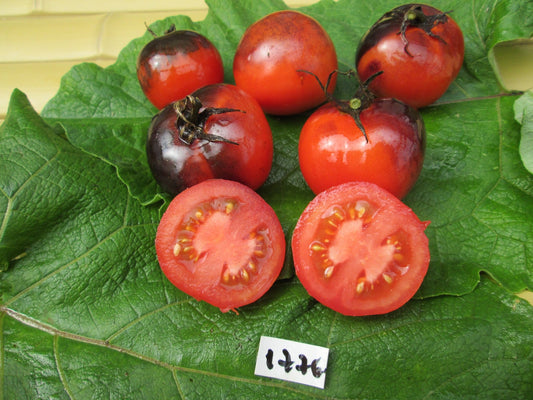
(85, 311)
(478, 197)
(524, 115)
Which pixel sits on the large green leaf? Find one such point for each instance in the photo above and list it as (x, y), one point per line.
(85, 311)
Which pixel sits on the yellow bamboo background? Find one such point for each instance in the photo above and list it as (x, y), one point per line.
(40, 40)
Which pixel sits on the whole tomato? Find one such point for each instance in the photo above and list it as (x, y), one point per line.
(368, 139)
(219, 131)
(174, 65)
(420, 51)
(271, 59)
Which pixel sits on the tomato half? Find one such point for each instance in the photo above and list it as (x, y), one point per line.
(271, 59)
(359, 250)
(419, 65)
(220, 242)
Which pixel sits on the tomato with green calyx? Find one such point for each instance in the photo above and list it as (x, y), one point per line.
(272, 55)
(359, 250)
(381, 141)
(217, 132)
(220, 242)
(419, 48)
(174, 65)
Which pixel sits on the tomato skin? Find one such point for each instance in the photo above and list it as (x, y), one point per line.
(176, 64)
(220, 242)
(359, 250)
(271, 56)
(418, 79)
(333, 150)
(176, 165)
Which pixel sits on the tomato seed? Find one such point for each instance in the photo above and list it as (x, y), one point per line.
(230, 205)
(244, 275)
(387, 278)
(317, 246)
(328, 272)
(360, 287)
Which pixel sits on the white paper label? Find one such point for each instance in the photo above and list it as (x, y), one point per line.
(292, 361)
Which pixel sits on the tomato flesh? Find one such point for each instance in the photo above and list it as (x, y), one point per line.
(220, 242)
(359, 250)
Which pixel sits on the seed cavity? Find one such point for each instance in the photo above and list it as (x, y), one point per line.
(331, 223)
(235, 275)
(187, 252)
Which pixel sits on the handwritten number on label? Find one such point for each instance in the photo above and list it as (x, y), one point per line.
(287, 363)
(292, 361)
(269, 357)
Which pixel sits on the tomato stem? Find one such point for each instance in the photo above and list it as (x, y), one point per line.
(415, 17)
(191, 119)
(362, 99)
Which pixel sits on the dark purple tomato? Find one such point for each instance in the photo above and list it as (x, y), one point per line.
(219, 131)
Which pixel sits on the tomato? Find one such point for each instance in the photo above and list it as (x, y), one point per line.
(271, 59)
(419, 48)
(359, 250)
(220, 242)
(176, 64)
(332, 149)
(218, 132)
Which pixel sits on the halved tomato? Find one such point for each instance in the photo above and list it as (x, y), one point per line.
(359, 250)
(220, 242)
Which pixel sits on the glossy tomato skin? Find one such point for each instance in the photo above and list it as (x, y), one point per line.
(176, 64)
(272, 55)
(359, 250)
(333, 150)
(220, 242)
(417, 74)
(176, 165)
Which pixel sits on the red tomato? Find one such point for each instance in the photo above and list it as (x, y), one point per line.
(359, 250)
(418, 66)
(271, 58)
(220, 242)
(333, 150)
(176, 64)
(185, 151)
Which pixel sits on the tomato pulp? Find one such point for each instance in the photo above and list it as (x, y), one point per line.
(220, 242)
(359, 250)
